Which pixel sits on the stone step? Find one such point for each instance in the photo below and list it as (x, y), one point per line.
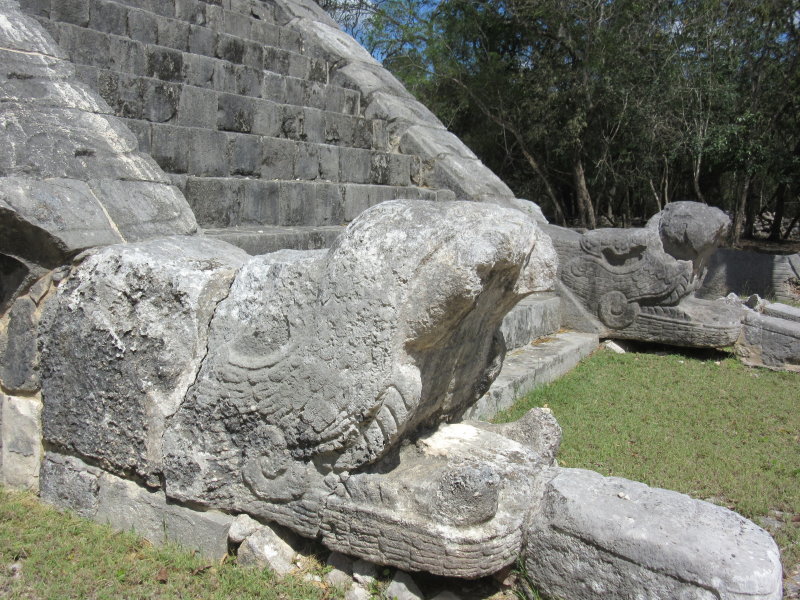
(263, 240)
(252, 20)
(151, 100)
(206, 153)
(782, 311)
(219, 57)
(126, 91)
(537, 316)
(220, 202)
(530, 367)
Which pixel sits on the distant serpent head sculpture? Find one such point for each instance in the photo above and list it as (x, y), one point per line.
(640, 283)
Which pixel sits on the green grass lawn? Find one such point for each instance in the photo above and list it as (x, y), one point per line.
(699, 423)
(60, 556)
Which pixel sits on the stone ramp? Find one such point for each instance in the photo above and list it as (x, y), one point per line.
(538, 351)
(533, 366)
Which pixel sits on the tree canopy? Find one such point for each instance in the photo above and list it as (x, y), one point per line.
(602, 111)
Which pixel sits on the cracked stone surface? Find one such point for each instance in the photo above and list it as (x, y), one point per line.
(607, 537)
(123, 340)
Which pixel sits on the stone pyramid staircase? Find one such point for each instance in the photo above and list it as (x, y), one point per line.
(241, 111)
(279, 130)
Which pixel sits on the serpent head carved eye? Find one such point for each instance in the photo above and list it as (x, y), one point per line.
(620, 255)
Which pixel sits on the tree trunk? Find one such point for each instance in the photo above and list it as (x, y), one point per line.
(739, 213)
(626, 208)
(656, 197)
(696, 163)
(750, 218)
(794, 222)
(534, 164)
(582, 196)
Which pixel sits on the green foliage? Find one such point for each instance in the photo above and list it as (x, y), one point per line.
(652, 101)
(709, 427)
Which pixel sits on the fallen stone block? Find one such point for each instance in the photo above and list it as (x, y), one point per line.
(770, 341)
(21, 447)
(357, 592)
(364, 572)
(266, 548)
(402, 587)
(242, 527)
(341, 573)
(127, 506)
(606, 537)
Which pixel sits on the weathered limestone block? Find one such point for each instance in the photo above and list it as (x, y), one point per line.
(606, 537)
(771, 339)
(403, 587)
(57, 217)
(341, 573)
(124, 339)
(242, 527)
(68, 482)
(21, 446)
(266, 548)
(402, 111)
(18, 349)
(127, 506)
(321, 362)
(19, 330)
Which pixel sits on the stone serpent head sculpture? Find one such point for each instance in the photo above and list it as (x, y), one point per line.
(283, 385)
(640, 283)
